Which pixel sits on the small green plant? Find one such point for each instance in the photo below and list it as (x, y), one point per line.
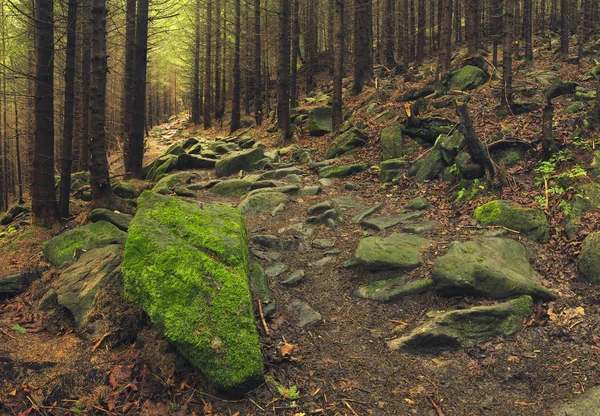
(557, 183)
(77, 408)
(453, 170)
(470, 192)
(19, 329)
(174, 406)
(288, 393)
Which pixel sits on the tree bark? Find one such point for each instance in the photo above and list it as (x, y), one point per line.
(564, 28)
(475, 147)
(497, 29)
(421, 29)
(446, 36)
(18, 151)
(129, 70)
(548, 142)
(67, 150)
(528, 29)
(43, 196)
(338, 64)
(388, 34)
(196, 107)
(235, 102)
(507, 55)
(472, 26)
(218, 114)
(363, 68)
(295, 47)
(283, 72)
(207, 68)
(258, 98)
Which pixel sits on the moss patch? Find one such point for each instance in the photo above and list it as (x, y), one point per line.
(188, 269)
(528, 221)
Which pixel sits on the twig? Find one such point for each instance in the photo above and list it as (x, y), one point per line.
(479, 227)
(7, 334)
(97, 345)
(435, 406)
(262, 317)
(108, 412)
(350, 407)
(256, 404)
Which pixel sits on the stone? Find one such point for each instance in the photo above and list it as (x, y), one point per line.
(339, 171)
(321, 243)
(303, 315)
(530, 222)
(417, 204)
(584, 404)
(124, 190)
(345, 203)
(266, 255)
(324, 261)
(323, 163)
(79, 283)
(294, 279)
(281, 173)
(10, 215)
(442, 155)
(465, 328)
(349, 140)
(188, 269)
(588, 198)
(12, 285)
(383, 222)
(468, 169)
(278, 210)
(589, 259)
(367, 213)
(300, 229)
(280, 189)
(264, 184)
(392, 164)
(325, 217)
(393, 289)
(121, 221)
(160, 167)
(492, 267)
(186, 161)
(392, 146)
(350, 186)
(319, 121)
(467, 78)
(420, 227)
(301, 156)
(310, 191)
(320, 207)
(276, 269)
(184, 192)
(395, 252)
(265, 201)
(326, 182)
(293, 179)
(233, 163)
(232, 188)
(166, 185)
(175, 149)
(275, 243)
(63, 249)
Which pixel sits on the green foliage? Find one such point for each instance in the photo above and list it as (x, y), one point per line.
(78, 408)
(557, 183)
(470, 192)
(19, 329)
(288, 393)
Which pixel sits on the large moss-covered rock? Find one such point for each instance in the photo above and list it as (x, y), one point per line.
(187, 267)
(62, 249)
(491, 267)
(464, 328)
(319, 121)
(167, 184)
(77, 286)
(232, 187)
(588, 198)
(467, 78)
(467, 168)
(185, 161)
(589, 259)
(160, 167)
(397, 251)
(442, 155)
(585, 404)
(391, 142)
(528, 221)
(124, 190)
(233, 163)
(262, 201)
(121, 221)
(350, 139)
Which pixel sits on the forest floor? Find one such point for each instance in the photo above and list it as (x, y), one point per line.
(342, 365)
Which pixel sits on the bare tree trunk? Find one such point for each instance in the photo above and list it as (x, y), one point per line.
(548, 142)
(86, 38)
(283, 72)
(388, 34)
(472, 26)
(295, 47)
(129, 69)
(564, 28)
(338, 64)
(363, 68)
(311, 40)
(218, 114)
(196, 107)
(207, 68)
(497, 29)
(476, 148)
(446, 36)
(18, 151)
(421, 28)
(258, 98)
(528, 29)
(457, 21)
(235, 102)
(507, 55)
(67, 151)
(43, 196)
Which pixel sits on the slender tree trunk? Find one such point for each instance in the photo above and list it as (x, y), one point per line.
(196, 106)
(67, 151)
(421, 28)
(528, 29)
(208, 68)
(507, 55)
(218, 114)
(388, 34)
(18, 151)
(235, 102)
(283, 72)
(43, 196)
(311, 40)
(258, 98)
(86, 39)
(295, 47)
(99, 176)
(497, 29)
(472, 26)
(411, 30)
(363, 69)
(129, 68)
(338, 64)
(475, 147)
(446, 36)
(457, 22)
(548, 142)
(564, 28)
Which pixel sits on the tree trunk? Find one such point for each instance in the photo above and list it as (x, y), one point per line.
(564, 28)
(363, 69)
(283, 72)
(388, 34)
(475, 147)
(497, 29)
(67, 150)
(99, 176)
(207, 68)
(548, 142)
(446, 36)
(472, 26)
(235, 102)
(84, 157)
(528, 29)
(311, 41)
(421, 29)
(258, 99)
(18, 151)
(295, 47)
(196, 107)
(218, 114)
(338, 65)
(129, 70)
(507, 55)
(43, 196)
(457, 21)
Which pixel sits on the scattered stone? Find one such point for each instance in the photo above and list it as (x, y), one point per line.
(303, 315)
(331, 218)
(420, 227)
(467, 168)
(232, 188)
(345, 203)
(442, 154)
(188, 269)
(275, 243)
(121, 221)
(12, 285)
(260, 202)
(78, 285)
(467, 78)
(175, 149)
(269, 256)
(382, 222)
(339, 171)
(350, 264)
(326, 182)
(362, 215)
(310, 191)
(168, 183)
(319, 121)
(184, 192)
(65, 248)
(259, 283)
(492, 267)
(301, 156)
(294, 279)
(124, 190)
(293, 179)
(349, 140)
(322, 262)
(585, 404)
(244, 160)
(320, 207)
(160, 167)
(589, 259)
(265, 184)
(465, 328)
(321, 243)
(281, 173)
(350, 186)
(528, 221)
(277, 210)
(280, 189)
(302, 229)
(393, 289)
(397, 251)
(12, 214)
(392, 142)
(276, 269)
(417, 204)
(186, 161)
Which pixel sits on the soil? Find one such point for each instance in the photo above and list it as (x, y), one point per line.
(342, 365)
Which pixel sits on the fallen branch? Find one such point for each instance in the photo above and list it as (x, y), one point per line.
(435, 406)
(262, 317)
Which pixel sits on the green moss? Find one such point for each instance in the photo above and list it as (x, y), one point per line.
(188, 269)
(166, 184)
(528, 221)
(589, 260)
(512, 157)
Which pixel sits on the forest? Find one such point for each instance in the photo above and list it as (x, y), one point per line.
(299, 207)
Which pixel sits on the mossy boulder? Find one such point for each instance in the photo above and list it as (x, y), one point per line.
(465, 328)
(339, 171)
(64, 248)
(467, 168)
(319, 121)
(232, 188)
(467, 78)
(491, 267)
(395, 252)
(442, 155)
(530, 222)
(244, 160)
(121, 221)
(175, 149)
(124, 190)
(349, 140)
(588, 198)
(392, 142)
(167, 184)
(185, 161)
(584, 404)
(160, 167)
(187, 267)
(589, 259)
(262, 201)
(393, 289)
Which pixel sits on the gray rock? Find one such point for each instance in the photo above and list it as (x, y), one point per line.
(276, 269)
(294, 279)
(310, 191)
(325, 217)
(78, 285)
(186, 161)
(259, 283)
(318, 165)
(322, 262)
(339, 171)
(589, 259)
(275, 243)
(420, 227)
(184, 192)
(320, 207)
(244, 160)
(326, 182)
(492, 267)
(397, 251)
(269, 256)
(319, 121)
(12, 285)
(281, 173)
(417, 204)
(277, 210)
(393, 289)
(121, 221)
(287, 189)
(362, 215)
(467, 168)
(383, 222)
(392, 142)
(48, 301)
(265, 184)
(321, 243)
(350, 186)
(231, 188)
(467, 78)
(301, 229)
(124, 190)
(264, 201)
(345, 203)
(293, 179)
(585, 404)
(303, 315)
(160, 167)
(349, 140)
(167, 184)
(464, 328)
(528, 221)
